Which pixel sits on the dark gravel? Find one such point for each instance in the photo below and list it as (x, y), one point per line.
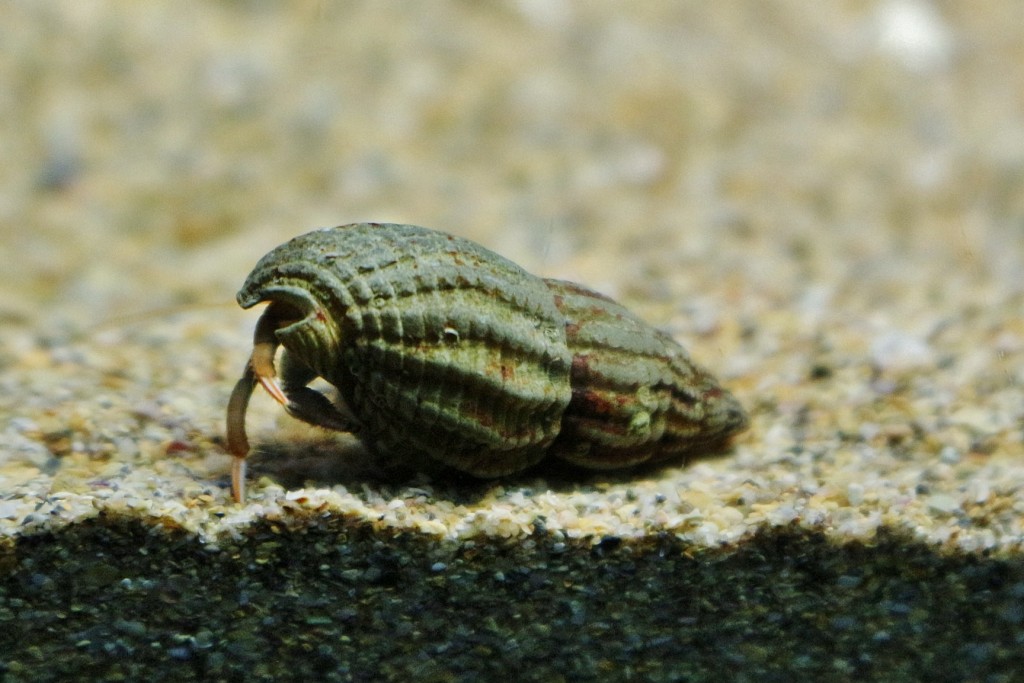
(113, 600)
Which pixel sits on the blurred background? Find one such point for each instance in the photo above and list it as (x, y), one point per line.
(701, 160)
(823, 201)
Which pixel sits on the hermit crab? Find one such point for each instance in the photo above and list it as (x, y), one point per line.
(440, 348)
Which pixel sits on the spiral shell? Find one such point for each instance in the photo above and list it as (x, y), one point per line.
(439, 347)
(636, 395)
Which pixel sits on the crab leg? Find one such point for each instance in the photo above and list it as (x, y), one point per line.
(238, 443)
(260, 368)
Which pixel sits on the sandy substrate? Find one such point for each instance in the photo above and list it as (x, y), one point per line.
(824, 205)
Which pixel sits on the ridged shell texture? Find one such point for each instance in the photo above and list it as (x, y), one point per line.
(439, 347)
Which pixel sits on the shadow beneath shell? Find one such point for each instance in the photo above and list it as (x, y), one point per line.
(342, 460)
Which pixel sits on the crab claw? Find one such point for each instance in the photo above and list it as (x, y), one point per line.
(262, 364)
(264, 347)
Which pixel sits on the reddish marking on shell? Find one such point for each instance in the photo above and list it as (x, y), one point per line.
(580, 366)
(321, 316)
(592, 403)
(577, 288)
